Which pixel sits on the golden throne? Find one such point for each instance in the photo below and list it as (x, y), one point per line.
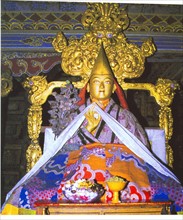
(105, 23)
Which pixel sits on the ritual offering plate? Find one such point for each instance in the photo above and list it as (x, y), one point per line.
(83, 191)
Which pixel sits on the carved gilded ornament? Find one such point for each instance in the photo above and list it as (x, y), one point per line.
(169, 155)
(38, 91)
(166, 90)
(34, 121)
(33, 154)
(105, 23)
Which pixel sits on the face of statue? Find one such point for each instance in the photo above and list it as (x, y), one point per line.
(101, 87)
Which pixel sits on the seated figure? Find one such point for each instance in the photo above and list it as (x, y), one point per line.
(104, 140)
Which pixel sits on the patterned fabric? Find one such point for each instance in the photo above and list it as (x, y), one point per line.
(44, 185)
(101, 161)
(100, 156)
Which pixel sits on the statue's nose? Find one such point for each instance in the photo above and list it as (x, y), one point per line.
(102, 85)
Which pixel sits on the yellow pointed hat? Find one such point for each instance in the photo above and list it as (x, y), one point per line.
(102, 65)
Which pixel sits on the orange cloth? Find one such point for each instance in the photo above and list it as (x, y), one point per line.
(125, 168)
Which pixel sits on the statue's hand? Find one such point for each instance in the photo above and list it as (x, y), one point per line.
(93, 120)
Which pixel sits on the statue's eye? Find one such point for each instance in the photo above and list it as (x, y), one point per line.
(108, 82)
(96, 81)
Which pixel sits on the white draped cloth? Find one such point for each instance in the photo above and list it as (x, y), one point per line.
(156, 137)
(120, 131)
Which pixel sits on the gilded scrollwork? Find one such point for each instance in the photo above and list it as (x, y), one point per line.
(169, 155)
(105, 23)
(105, 18)
(33, 154)
(33, 41)
(148, 48)
(34, 151)
(59, 42)
(165, 91)
(8, 63)
(6, 83)
(34, 121)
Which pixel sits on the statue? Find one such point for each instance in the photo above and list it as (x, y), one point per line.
(103, 141)
(101, 85)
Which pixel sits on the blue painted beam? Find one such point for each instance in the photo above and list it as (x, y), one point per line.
(27, 41)
(30, 41)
